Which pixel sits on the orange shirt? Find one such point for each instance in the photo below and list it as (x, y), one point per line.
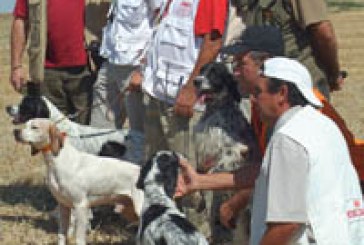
(356, 147)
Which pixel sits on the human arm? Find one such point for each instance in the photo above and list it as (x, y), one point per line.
(187, 95)
(313, 17)
(287, 179)
(324, 46)
(210, 26)
(17, 43)
(231, 208)
(280, 233)
(190, 181)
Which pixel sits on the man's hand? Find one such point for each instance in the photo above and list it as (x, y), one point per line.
(17, 78)
(338, 83)
(136, 79)
(228, 215)
(187, 180)
(185, 101)
(231, 208)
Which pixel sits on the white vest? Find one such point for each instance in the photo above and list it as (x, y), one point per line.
(174, 51)
(335, 207)
(128, 32)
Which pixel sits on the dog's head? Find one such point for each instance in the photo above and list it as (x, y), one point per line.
(41, 134)
(30, 107)
(215, 84)
(162, 170)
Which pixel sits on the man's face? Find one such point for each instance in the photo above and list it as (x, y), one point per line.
(268, 104)
(246, 71)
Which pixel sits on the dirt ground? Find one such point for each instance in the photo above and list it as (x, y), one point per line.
(24, 200)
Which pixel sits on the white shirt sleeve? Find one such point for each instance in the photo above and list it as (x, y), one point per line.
(287, 181)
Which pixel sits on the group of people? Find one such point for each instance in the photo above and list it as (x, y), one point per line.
(305, 191)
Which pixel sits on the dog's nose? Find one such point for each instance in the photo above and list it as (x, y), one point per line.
(16, 133)
(11, 110)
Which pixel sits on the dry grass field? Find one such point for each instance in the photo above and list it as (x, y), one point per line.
(25, 202)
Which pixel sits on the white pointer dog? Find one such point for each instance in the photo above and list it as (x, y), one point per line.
(161, 221)
(80, 180)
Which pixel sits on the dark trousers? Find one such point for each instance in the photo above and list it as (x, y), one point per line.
(70, 90)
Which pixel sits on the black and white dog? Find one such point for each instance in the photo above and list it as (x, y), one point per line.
(84, 138)
(224, 139)
(223, 135)
(161, 222)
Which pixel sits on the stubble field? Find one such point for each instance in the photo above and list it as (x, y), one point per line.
(25, 201)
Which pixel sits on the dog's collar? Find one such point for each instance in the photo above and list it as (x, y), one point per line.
(48, 147)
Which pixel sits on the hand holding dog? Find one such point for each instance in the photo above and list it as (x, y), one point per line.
(187, 180)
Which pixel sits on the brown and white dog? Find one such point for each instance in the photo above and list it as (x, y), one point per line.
(80, 180)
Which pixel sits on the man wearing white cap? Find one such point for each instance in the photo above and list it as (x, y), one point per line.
(307, 191)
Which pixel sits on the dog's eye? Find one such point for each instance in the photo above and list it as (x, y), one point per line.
(34, 127)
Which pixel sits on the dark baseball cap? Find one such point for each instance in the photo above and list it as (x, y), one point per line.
(258, 38)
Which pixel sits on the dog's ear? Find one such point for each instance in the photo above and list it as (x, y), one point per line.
(56, 140)
(32, 107)
(143, 173)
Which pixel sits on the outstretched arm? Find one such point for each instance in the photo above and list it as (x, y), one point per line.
(190, 181)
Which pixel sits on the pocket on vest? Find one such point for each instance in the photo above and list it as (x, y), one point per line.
(176, 33)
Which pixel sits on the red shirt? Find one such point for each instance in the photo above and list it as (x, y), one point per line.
(65, 31)
(211, 16)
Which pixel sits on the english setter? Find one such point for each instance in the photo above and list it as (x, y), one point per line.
(224, 138)
(79, 180)
(161, 221)
(223, 134)
(84, 138)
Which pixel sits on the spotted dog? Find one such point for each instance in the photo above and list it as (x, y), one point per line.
(161, 222)
(223, 135)
(224, 139)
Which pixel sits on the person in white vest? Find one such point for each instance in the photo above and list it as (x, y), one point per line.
(117, 92)
(189, 36)
(307, 190)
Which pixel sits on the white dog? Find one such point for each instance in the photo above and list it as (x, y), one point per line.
(80, 180)
(161, 221)
(84, 138)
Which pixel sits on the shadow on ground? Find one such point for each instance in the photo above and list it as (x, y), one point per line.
(38, 222)
(37, 196)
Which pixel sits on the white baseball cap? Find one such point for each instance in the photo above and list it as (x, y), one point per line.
(292, 71)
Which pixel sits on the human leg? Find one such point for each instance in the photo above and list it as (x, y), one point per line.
(52, 88)
(78, 88)
(108, 109)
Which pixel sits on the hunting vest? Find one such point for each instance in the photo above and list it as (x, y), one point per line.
(280, 13)
(95, 19)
